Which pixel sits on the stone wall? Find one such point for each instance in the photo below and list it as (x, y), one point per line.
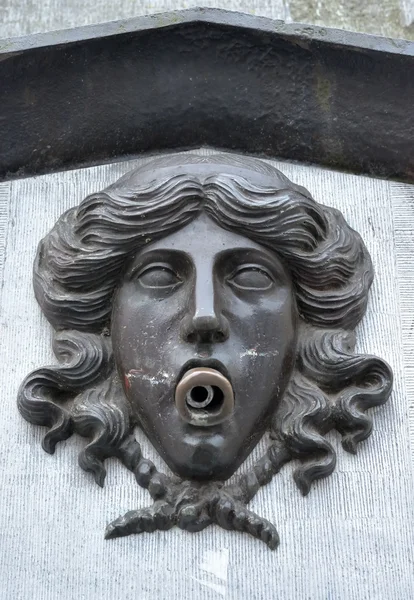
(350, 539)
(391, 18)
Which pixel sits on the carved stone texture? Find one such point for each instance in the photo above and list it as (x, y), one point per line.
(205, 300)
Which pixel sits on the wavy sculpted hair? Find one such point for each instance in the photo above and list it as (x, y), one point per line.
(76, 271)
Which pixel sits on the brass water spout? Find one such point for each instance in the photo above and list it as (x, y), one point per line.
(204, 397)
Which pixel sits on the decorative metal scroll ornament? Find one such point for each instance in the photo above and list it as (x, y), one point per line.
(206, 300)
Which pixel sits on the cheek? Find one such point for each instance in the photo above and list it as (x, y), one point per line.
(141, 320)
(143, 332)
(266, 320)
(266, 341)
(135, 332)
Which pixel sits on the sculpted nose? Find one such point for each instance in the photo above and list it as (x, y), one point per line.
(204, 327)
(205, 323)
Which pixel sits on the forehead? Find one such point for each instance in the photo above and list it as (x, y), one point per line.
(204, 237)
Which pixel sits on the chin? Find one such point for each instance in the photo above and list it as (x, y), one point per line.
(203, 455)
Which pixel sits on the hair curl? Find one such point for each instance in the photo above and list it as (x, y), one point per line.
(77, 268)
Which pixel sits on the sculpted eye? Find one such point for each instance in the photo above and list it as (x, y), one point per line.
(251, 277)
(158, 276)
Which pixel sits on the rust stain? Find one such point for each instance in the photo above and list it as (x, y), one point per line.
(127, 382)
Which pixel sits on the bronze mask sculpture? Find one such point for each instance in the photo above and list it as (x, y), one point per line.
(206, 300)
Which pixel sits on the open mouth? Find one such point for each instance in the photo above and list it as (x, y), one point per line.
(204, 394)
(199, 363)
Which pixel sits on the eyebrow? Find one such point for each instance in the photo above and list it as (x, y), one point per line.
(150, 253)
(270, 258)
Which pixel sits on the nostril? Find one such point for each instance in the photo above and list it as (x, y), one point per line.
(220, 335)
(206, 336)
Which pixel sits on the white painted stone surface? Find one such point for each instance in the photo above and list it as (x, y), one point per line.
(352, 538)
(407, 9)
(391, 18)
(49, 15)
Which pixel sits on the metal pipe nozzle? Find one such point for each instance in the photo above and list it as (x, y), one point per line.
(204, 397)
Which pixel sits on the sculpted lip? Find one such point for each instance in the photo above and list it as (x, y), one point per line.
(209, 363)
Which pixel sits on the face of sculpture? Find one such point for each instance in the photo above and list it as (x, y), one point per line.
(204, 297)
